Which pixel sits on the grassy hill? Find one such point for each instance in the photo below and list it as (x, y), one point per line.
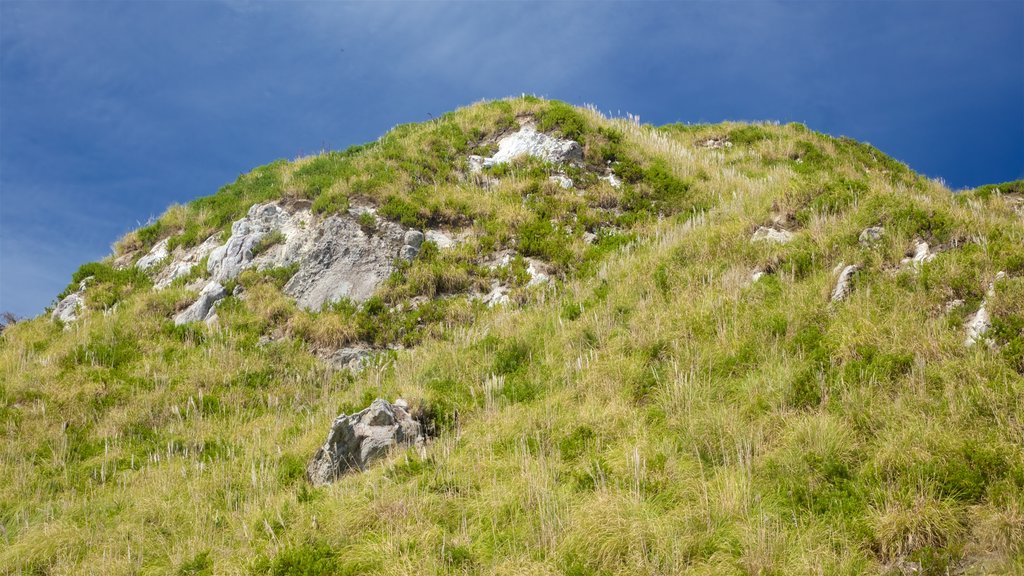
(651, 411)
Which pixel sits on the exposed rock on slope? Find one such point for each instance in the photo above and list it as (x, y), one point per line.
(765, 234)
(979, 322)
(68, 308)
(529, 142)
(202, 308)
(357, 440)
(843, 284)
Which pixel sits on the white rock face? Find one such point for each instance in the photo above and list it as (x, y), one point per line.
(440, 239)
(870, 236)
(980, 322)
(922, 254)
(68, 308)
(527, 141)
(342, 261)
(182, 262)
(227, 261)
(202, 308)
(765, 234)
(154, 257)
(843, 284)
(356, 441)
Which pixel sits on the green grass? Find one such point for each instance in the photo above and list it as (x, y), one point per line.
(651, 412)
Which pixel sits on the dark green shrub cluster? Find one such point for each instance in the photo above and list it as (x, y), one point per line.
(562, 118)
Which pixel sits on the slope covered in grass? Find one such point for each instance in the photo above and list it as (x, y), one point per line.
(651, 411)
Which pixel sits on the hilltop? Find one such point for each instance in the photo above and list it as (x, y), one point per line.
(586, 346)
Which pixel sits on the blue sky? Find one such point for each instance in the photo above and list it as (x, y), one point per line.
(109, 112)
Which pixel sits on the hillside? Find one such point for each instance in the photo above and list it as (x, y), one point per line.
(624, 349)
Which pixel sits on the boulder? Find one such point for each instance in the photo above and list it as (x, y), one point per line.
(202, 308)
(870, 236)
(355, 441)
(765, 234)
(843, 284)
(67, 309)
(922, 254)
(154, 257)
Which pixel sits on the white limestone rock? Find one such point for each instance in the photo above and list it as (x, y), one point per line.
(979, 323)
(922, 254)
(527, 141)
(776, 235)
(183, 260)
(154, 257)
(844, 283)
(355, 441)
(870, 236)
(202, 308)
(342, 261)
(68, 308)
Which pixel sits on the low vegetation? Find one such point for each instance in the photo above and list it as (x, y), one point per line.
(651, 411)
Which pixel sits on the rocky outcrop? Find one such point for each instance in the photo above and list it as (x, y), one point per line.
(922, 253)
(356, 441)
(68, 308)
(776, 235)
(247, 234)
(202, 308)
(844, 283)
(343, 261)
(352, 358)
(562, 180)
(182, 261)
(527, 141)
(870, 236)
(979, 323)
(155, 255)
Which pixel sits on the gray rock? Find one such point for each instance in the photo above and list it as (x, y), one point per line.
(341, 261)
(348, 358)
(68, 308)
(843, 284)
(562, 180)
(765, 234)
(440, 239)
(154, 257)
(356, 441)
(922, 254)
(414, 238)
(183, 260)
(202, 308)
(870, 236)
(980, 322)
(227, 261)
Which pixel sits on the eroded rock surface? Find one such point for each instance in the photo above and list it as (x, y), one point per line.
(202, 308)
(922, 254)
(356, 441)
(155, 255)
(527, 141)
(343, 261)
(844, 283)
(979, 323)
(870, 236)
(183, 261)
(68, 308)
(777, 235)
